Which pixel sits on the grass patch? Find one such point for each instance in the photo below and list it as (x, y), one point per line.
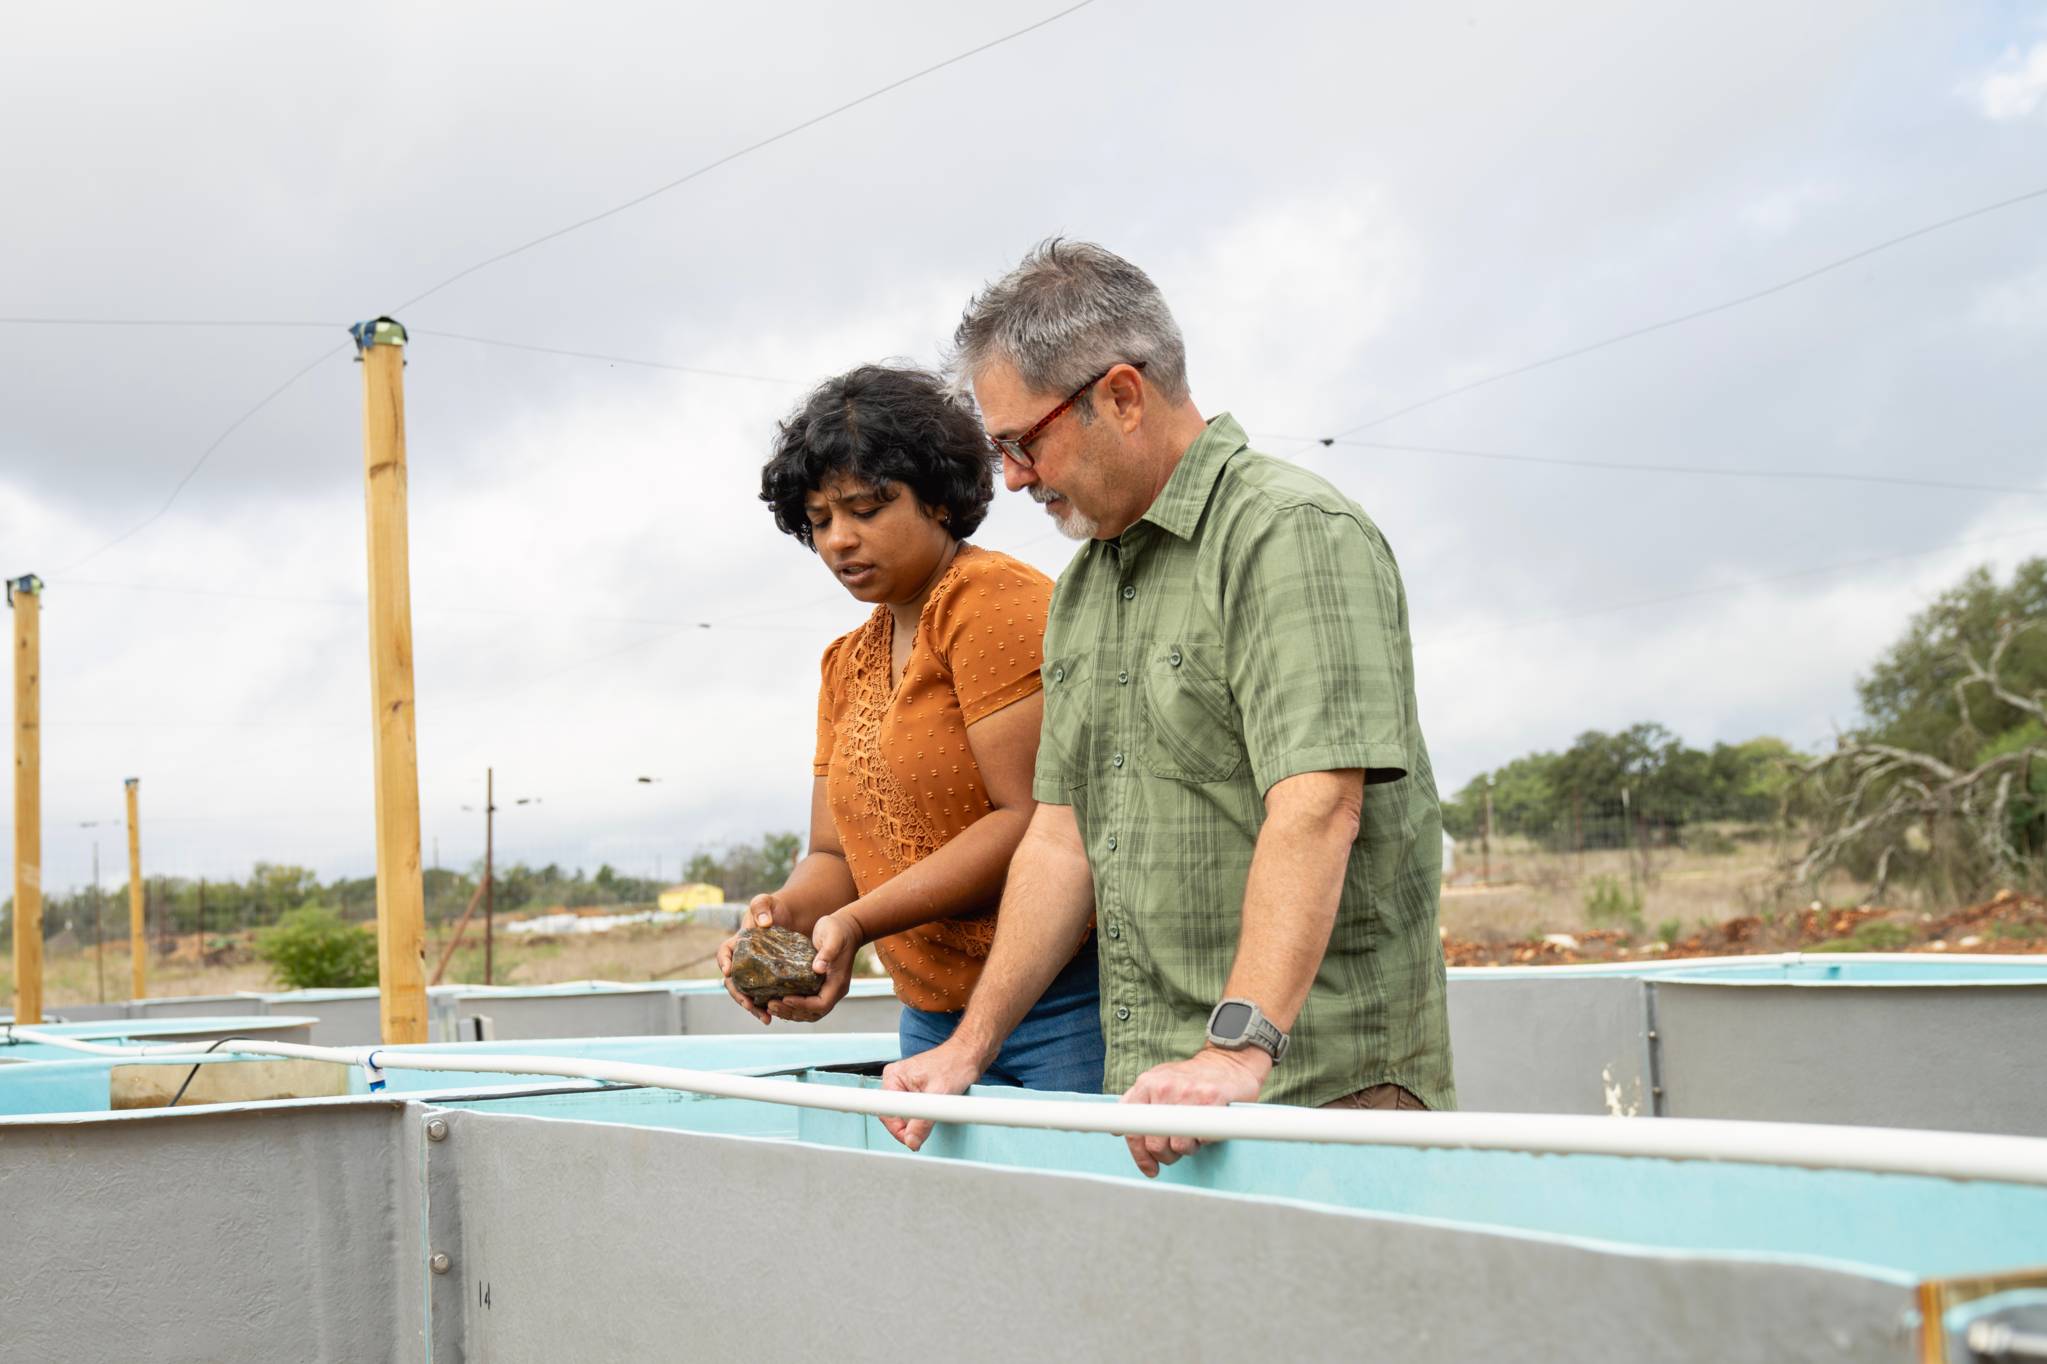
(1874, 936)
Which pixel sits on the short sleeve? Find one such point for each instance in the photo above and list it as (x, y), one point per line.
(1062, 734)
(990, 631)
(1316, 638)
(828, 689)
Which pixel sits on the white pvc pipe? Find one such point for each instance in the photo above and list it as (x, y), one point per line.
(1945, 1155)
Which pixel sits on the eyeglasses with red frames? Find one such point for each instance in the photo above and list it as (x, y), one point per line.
(1018, 447)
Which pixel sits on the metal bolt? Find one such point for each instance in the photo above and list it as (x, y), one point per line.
(440, 1262)
(436, 1129)
(1652, 1034)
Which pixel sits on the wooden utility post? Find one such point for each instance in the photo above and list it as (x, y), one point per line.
(24, 594)
(1485, 841)
(138, 929)
(490, 894)
(99, 933)
(401, 897)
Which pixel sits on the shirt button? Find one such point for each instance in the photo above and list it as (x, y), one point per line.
(1112, 842)
(1128, 592)
(1115, 930)
(1174, 658)
(1122, 1014)
(1122, 679)
(1059, 674)
(1117, 760)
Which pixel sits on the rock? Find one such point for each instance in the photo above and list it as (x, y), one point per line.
(1563, 940)
(774, 963)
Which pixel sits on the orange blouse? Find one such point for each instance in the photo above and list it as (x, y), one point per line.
(900, 777)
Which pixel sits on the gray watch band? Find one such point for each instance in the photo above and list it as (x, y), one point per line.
(1259, 1031)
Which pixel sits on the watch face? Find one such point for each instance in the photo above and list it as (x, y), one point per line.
(1230, 1021)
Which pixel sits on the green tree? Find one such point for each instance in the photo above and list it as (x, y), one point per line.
(310, 948)
(1910, 697)
(1940, 785)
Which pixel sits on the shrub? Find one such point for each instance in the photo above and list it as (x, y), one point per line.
(1610, 902)
(1669, 931)
(311, 949)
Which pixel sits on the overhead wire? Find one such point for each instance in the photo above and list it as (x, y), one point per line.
(204, 455)
(737, 620)
(160, 322)
(729, 157)
(1726, 305)
(608, 359)
(520, 249)
(679, 627)
(1695, 470)
(1717, 588)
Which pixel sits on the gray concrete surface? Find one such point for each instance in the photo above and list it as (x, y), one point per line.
(625, 1250)
(1961, 1058)
(267, 1234)
(1576, 1045)
(649, 1012)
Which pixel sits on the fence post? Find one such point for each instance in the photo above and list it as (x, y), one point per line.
(138, 934)
(24, 594)
(401, 899)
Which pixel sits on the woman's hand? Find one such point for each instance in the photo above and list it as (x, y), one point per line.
(763, 912)
(838, 940)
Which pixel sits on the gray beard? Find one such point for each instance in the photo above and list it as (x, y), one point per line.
(1073, 525)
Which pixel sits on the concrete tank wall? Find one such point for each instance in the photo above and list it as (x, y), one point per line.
(277, 1233)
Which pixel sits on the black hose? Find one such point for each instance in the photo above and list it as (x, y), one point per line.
(193, 1073)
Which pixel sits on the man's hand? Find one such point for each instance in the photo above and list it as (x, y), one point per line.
(764, 911)
(1210, 1076)
(838, 940)
(946, 1069)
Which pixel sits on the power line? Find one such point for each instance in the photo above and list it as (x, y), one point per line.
(1746, 583)
(610, 359)
(581, 223)
(730, 157)
(158, 322)
(1700, 470)
(205, 455)
(415, 332)
(737, 621)
(1698, 313)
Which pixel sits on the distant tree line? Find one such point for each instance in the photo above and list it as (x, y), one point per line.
(1944, 784)
(179, 904)
(1643, 780)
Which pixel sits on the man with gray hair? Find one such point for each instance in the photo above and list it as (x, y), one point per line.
(1231, 777)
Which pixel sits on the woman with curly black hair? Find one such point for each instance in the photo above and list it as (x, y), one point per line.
(927, 721)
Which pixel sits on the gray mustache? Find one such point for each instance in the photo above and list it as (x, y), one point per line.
(1042, 494)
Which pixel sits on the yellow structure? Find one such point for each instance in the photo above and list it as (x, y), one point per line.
(691, 895)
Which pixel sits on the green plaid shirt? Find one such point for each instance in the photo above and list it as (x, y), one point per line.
(1250, 627)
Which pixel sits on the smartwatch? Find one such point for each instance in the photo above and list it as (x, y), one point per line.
(1236, 1024)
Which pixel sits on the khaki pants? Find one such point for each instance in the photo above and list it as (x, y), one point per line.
(1380, 1096)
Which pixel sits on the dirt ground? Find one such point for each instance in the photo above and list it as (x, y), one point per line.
(633, 952)
(2006, 923)
(1541, 920)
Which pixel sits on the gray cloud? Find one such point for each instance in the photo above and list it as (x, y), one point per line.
(1350, 208)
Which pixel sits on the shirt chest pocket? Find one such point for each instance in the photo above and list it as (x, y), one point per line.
(1062, 742)
(1191, 728)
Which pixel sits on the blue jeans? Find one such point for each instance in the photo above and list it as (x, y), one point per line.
(1058, 1045)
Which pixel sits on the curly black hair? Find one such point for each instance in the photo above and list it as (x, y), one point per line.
(882, 425)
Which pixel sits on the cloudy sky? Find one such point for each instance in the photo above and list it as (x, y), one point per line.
(1352, 207)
